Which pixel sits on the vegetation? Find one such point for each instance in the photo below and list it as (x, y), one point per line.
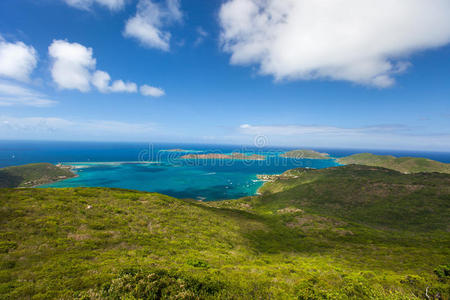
(310, 154)
(401, 164)
(33, 175)
(349, 232)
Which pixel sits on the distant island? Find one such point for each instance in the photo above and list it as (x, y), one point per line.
(33, 175)
(234, 155)
(309, 154)
(175, 150)
(401, 164)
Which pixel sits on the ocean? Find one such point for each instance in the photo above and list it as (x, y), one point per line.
(148, 167)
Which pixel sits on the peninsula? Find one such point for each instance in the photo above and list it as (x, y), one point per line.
(234, 155)
(33, 175)
(309, 154)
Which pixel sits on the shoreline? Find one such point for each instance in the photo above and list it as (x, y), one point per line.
(61, 166)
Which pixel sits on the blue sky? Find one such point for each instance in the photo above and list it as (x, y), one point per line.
(225, 72)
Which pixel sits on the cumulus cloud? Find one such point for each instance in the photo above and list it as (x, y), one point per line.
(147, 90)
(149, 23)
(361, 41)
(87, 4)
(120, 86)
(13, 94)
(101, 80)
(72, 65)
(17, 60)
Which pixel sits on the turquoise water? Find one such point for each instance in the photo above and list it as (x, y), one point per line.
(164, 172)
(202, 180)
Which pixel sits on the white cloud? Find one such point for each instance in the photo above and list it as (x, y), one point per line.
(101, 80)
(55, 127)
(74, 68)
(147, 26)
(361, 41)
(72, 65)
(120, 86)
(17, 60)
(13, 94)
(147, 90)
(87, 4)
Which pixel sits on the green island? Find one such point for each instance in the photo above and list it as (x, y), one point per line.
(33, 175)
(401, 164)
(234, 155)
(348, 232)
(309, 154)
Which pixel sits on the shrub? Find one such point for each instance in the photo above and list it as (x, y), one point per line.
(158, 284)
(6, 246)
(442, 272)
(197, 263)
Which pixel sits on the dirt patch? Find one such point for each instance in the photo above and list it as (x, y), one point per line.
(79, 236)
(289, 210)
(245, 206)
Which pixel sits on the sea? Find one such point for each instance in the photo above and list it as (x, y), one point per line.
(150, 167)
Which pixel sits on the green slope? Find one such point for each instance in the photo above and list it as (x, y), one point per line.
(32, 175)
(401, 164)
(373, 196)
(98, 243)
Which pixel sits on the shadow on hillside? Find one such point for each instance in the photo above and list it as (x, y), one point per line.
(272, 237)
(9, 181)
(214, 192)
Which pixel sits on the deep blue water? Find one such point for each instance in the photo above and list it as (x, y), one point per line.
(147, 167)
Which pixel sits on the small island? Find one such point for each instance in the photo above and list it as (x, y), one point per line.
(234, 155)
(32, 175)
(175, 150)
(309, 154)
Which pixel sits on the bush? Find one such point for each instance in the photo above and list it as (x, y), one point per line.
(6, 246)
(442, 272)
(197, 263)
(158, 284)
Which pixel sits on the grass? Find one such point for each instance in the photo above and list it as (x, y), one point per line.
(401, 164)
(290, 242)
(32, 175)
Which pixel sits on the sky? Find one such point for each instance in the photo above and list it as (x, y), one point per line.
(300, 73)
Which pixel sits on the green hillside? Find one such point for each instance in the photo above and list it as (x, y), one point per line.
(32, 175)
(310, 154)
(373, 196)
(368, 233)
(401, 164)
